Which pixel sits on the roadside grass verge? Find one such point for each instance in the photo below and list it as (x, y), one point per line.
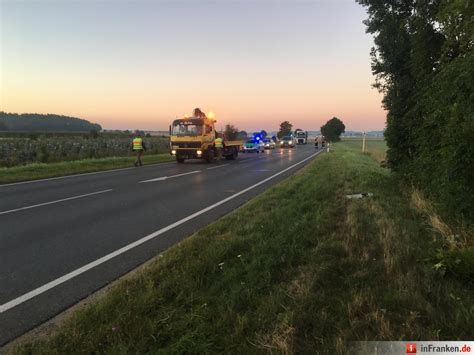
(41, 171)
(298, 269)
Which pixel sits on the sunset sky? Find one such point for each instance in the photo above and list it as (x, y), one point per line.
(138, 65)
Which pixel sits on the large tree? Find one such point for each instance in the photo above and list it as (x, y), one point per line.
(231, 132)
(285, 129)
(423, 61)
(333, 129)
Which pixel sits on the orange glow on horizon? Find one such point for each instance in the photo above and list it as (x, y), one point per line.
(127, 77)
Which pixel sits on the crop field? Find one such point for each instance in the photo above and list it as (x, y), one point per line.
(16, 151)
(375, 147)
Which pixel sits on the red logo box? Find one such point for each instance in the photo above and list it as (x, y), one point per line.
(411, 348)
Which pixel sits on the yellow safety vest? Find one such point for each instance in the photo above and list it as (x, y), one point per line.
(137, 144)
(218, 143)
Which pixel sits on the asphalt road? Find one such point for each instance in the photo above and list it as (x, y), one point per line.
(61, 239)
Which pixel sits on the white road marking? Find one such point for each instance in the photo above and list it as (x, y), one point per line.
(170, 177)
(217, 167)
(27, 296)
(56, 201)
(83, 174)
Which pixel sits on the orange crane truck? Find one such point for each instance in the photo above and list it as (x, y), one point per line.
(193, 138)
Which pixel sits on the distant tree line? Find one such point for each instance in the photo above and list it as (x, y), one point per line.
(424, 64)
(34, 122)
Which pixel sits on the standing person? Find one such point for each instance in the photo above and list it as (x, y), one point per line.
(138, 147)
(219, 145)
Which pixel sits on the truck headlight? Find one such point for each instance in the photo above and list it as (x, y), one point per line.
(173, 152)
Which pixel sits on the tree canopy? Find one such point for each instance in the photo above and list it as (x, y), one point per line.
(424, 64)
(33, 122)
(231, 132)
(285, 129)
(333, 129)
(3, 125)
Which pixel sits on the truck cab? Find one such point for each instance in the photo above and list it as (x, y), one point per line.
(301, 136)
(193, 138)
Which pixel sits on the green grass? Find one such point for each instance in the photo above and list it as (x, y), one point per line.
(375, 147)
(298, 269)
(41, 171)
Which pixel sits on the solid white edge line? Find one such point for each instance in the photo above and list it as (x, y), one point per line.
(217, 167)
(27, 296)
(56, 201)
(169, 177)
(84, 174)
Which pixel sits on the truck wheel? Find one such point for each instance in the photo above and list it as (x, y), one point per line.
(210, 156)
(234, 154)
(179, 159)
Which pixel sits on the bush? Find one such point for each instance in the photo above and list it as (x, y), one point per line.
(444, 162)
(456, 262)
(424, 64)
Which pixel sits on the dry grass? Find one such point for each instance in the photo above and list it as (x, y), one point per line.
(452, 237)
(278, 341)
(299, 286)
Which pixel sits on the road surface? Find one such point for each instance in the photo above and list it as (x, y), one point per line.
(61, 239)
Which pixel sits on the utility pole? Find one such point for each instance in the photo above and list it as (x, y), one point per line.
(363, 144)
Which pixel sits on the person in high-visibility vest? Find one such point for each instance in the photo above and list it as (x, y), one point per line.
(219, 145)
(138, 147)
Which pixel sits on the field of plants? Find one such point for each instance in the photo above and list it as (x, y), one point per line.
(23, 150)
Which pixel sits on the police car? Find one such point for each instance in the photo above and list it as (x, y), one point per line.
(253, 145)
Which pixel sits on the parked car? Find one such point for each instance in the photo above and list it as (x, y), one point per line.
(269, 143)
(253, 145)
(287, 141)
